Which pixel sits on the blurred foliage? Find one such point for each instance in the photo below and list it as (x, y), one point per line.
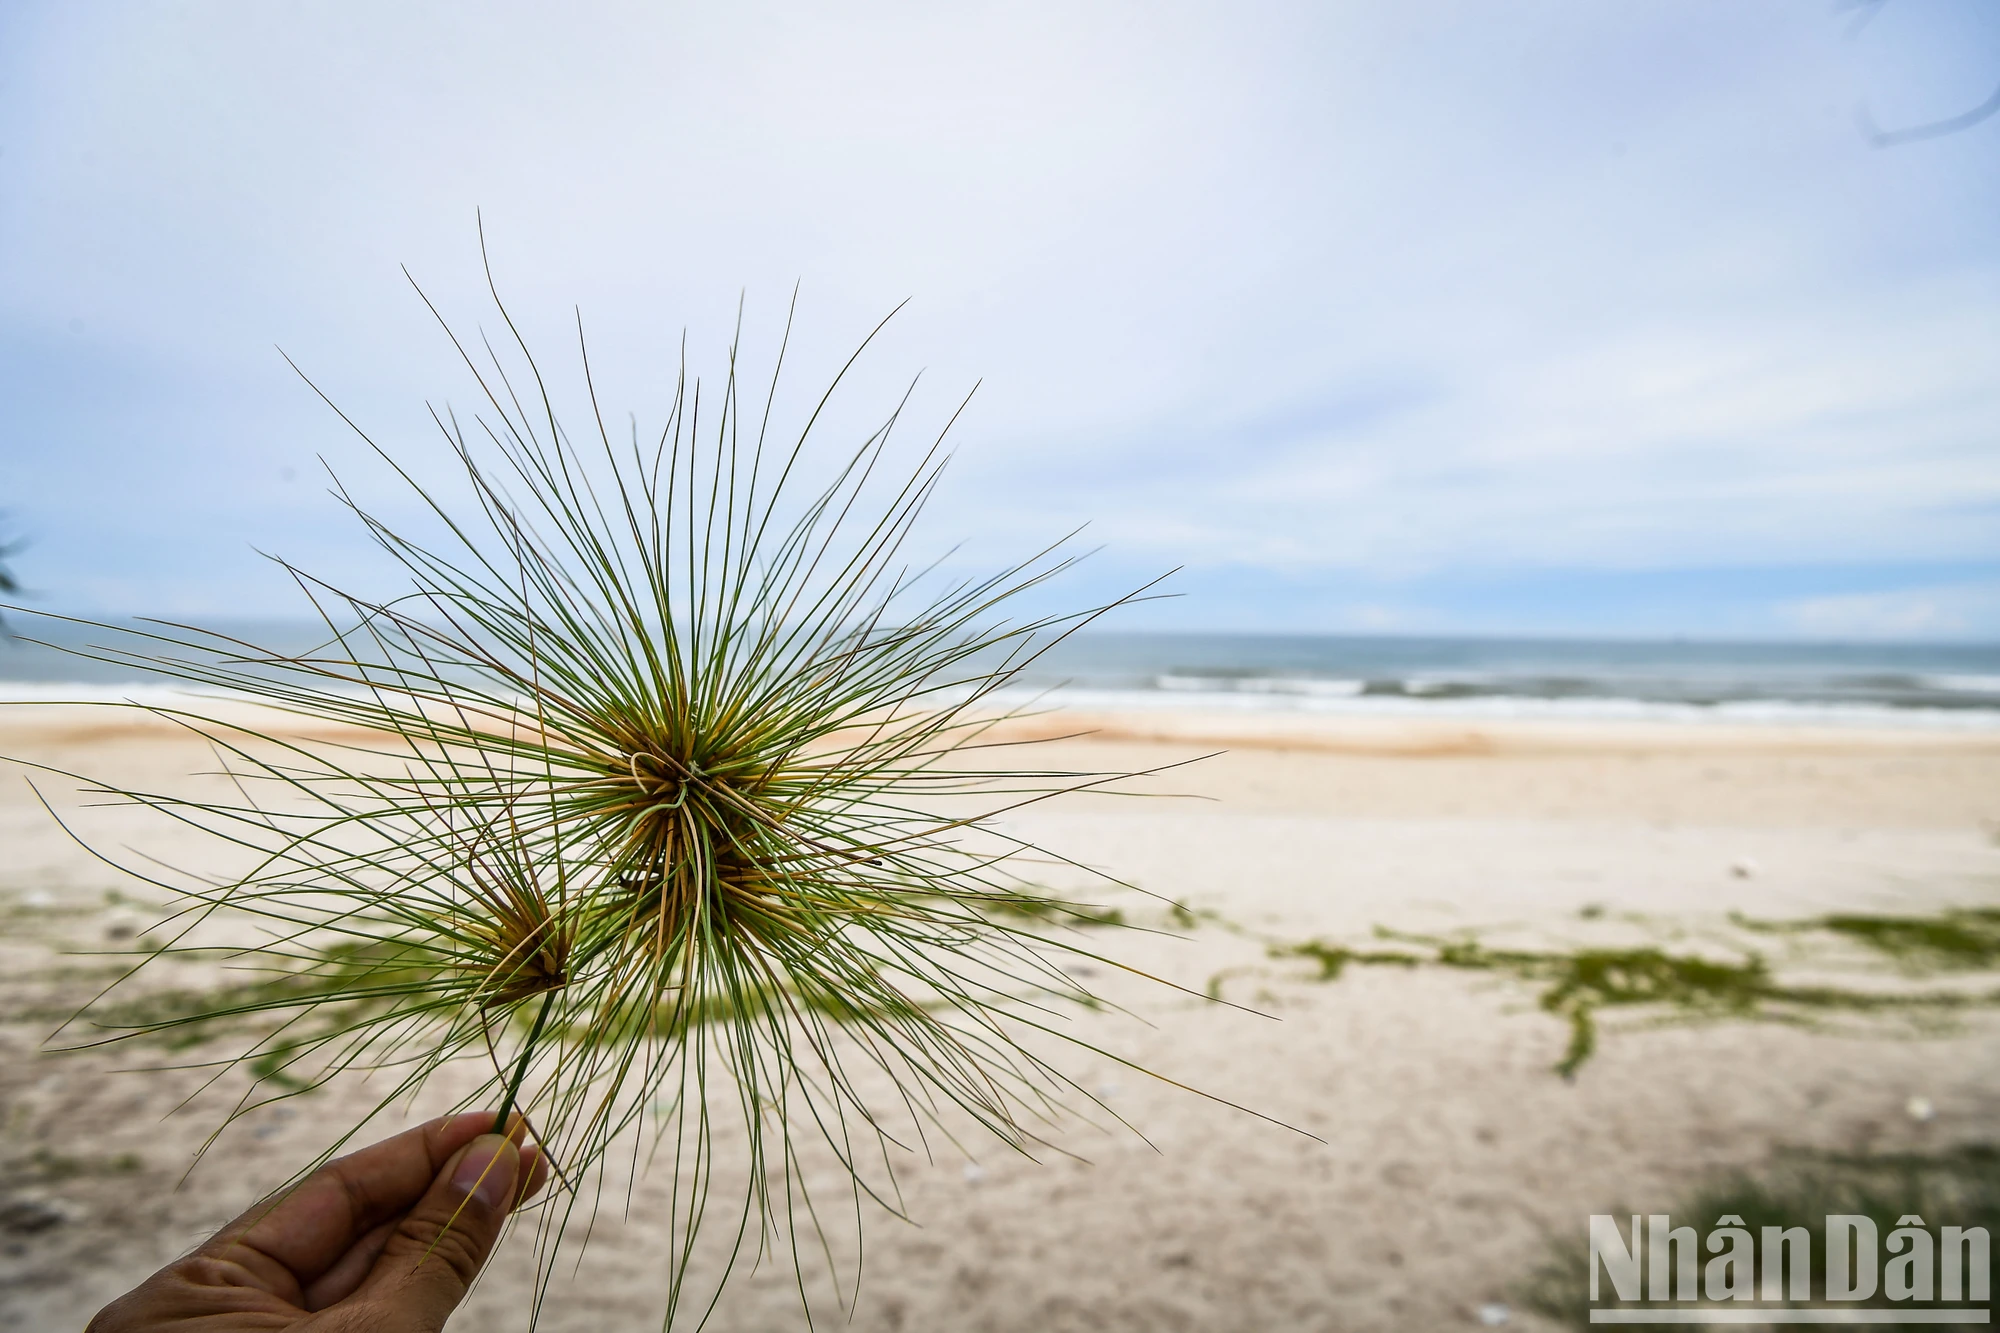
(338, 988)
(1577, 983)
(9, 586)
(1957, 940)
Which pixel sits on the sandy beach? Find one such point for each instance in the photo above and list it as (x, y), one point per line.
(1440, 1154)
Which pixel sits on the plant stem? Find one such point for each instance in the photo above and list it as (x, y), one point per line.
(521, 1069)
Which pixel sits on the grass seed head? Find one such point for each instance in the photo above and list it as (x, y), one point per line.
(652, 803)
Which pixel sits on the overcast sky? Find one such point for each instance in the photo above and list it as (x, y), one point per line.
(1527, 317)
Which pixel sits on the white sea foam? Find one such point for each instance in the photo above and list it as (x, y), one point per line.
(1771, 712)
(1309, 687)
(1962, 684)
(147, 694)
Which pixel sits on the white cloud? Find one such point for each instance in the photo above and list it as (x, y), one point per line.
(1298, 287)
(1952, 611)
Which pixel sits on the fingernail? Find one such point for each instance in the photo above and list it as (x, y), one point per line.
(487, 1171)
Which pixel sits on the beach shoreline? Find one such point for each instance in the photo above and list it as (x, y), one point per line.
(1447, 1149)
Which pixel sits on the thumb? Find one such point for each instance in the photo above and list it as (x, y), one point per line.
(437, 1250)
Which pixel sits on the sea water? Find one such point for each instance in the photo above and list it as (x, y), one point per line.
(1956, 685)
(1910, 684)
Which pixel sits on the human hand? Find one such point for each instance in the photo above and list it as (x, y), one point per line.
(386, 1240)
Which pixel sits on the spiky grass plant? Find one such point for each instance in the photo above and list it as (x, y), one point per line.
(648, 799)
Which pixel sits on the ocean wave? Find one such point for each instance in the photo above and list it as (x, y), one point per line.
(1769, 712)
(1863, 698)
(1731, 690)
(1299, 685)
(1962, 684)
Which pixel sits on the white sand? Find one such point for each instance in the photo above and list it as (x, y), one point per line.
(1450, 1150)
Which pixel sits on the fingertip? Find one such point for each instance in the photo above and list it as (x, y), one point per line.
(452, 1132)
(532, 1169)
(488, 1169)
(534, 1174)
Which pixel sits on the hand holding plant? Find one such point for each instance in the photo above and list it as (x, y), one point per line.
(387, 1239)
